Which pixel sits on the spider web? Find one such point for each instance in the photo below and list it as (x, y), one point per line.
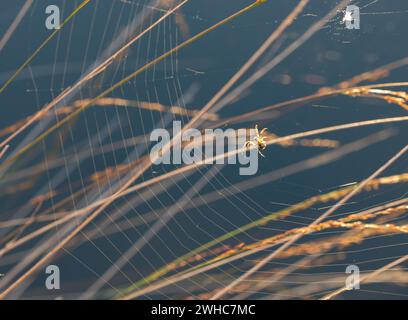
(69, 175)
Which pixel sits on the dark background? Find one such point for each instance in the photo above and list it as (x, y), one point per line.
(331, 56)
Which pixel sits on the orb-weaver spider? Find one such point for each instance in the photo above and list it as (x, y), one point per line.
(258, 141)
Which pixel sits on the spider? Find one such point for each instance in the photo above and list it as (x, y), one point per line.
(259, 140)
(348, 17)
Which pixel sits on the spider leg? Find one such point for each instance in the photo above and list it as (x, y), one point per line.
(249, 143)
(263, 131)
(259, 151)
(256, 130)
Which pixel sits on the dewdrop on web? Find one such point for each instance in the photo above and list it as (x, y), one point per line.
(212, 146)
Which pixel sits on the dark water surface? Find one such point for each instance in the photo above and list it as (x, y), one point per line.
(332, 55)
